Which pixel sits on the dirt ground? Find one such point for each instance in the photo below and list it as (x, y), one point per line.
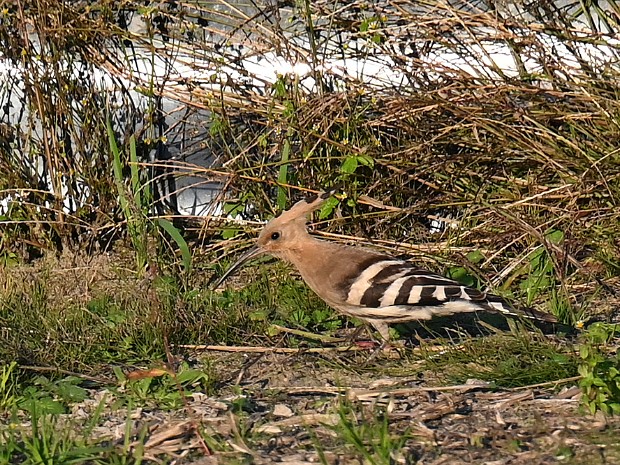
(292, 406)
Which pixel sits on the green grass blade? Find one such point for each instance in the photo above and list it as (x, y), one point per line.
(117, 167)
(283, 174)
(174, 233)
(135, 173)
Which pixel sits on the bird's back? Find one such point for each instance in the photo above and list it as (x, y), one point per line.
(368, 285)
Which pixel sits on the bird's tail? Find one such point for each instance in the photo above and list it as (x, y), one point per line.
(498, 304)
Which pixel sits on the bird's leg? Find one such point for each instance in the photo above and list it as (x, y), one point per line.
(383, 329)
(351, 339)
(384, 333)
(376, 351)
(383, 341)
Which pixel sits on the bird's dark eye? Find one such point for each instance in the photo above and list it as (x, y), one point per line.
(275, 236)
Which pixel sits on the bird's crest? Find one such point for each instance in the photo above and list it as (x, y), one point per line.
(304, 207)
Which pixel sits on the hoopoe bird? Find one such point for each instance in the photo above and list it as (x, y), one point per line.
(365, 284)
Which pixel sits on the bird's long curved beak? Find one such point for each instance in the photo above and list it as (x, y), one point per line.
(253, 252)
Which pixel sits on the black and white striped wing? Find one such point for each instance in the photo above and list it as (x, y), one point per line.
(394, 290)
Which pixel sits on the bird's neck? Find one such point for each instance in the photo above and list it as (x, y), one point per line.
(303, 248)
(316, 254)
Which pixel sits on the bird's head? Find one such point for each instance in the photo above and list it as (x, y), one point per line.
(284, 235)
